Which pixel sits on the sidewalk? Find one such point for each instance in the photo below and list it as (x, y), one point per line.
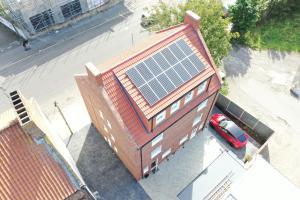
(53, 38)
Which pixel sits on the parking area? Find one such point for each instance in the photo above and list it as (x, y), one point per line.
(250, 149)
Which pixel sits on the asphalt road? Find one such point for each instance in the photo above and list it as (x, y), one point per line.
(46, 72)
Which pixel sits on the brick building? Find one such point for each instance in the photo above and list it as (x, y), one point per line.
(34, 162)
(154, 98)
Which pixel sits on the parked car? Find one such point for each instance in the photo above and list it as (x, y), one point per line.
(295, 91)
(229, 130)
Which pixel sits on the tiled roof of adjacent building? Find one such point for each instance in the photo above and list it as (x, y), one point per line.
(28, 171)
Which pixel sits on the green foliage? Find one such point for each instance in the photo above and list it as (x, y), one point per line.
(213, 25)
(224, 89)
(245, 14)
(281, 35)
(280, 9)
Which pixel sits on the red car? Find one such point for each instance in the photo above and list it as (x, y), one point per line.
(229, 130)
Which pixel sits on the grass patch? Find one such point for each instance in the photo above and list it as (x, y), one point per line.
(283, 35)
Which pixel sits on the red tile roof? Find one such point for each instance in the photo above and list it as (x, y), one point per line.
(120, 99)
(27, 170)
(192, 39)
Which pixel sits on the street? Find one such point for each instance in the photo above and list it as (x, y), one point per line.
(47, 73)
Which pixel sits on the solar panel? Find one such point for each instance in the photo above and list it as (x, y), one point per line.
(166, 83)
(144, 71)
(135, 77)
(153, 66)
(176, 51)
(189, 67)
(197, 62)
(184, 75)
(177, 81)
(161, 74)
(161, 61)
(148, 94)
(169, 56)
(184, 47)
(159, 90)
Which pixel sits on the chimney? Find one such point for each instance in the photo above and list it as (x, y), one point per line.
(93, 73)
(26, 123)
(192, 18)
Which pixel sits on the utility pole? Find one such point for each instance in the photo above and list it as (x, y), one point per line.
(62, 115)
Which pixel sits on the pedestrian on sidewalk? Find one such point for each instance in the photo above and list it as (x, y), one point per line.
(26, 45)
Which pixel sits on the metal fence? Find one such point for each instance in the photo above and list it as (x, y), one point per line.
(260, 129)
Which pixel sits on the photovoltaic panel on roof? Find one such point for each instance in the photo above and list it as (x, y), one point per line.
(161, 74)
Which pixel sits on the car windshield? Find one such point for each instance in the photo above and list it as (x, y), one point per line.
(231, 127)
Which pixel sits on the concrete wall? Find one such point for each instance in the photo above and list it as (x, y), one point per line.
(262, 130)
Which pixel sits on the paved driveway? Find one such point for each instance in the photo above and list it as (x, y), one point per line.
(101, 169)
(259, 81)
(185, 165)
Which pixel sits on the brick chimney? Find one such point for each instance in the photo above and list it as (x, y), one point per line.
(93, 73)
(24, 119)
(192, 18)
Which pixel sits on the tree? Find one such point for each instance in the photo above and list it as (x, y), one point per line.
(214, 27)
(245, 14)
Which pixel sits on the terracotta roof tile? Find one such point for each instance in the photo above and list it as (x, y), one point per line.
(115, 76)
(27, 171)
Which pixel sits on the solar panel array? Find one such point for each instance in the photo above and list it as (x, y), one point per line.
(161, 74)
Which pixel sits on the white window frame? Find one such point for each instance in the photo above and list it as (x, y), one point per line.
(185, 138)
(146, 169)
(116, 150)
(109, 142)
(108, 124)
(112, 138)
(160, 117)
(157, 139)
(156, 152)
(101, 114)
(197, 119)
(166, 153)
(202, 87)
(200, 126)
(194, 131)
(175, 106)
(188, 97)
(202, 105)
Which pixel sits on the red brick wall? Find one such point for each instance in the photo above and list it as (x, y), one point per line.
(96, 101)
(176, 132)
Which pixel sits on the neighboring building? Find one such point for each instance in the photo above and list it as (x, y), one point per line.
(33, 163)
(38, 15)
(155, 98)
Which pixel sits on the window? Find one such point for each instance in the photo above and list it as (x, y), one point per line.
(42, 20)
(109, 142)
(116, 150)
(105, 129)
(101, 114)
(183, 139)
(112, 138)
(202, 87)
(194, 131)
(146, 169)
(155, 152)
(108, 124)
(188, 97)
(175, 106)
(197, 119)
(71, 9)
(157, 139)
(200, 126)
(166, 153)
(202, 105)
(160, 117)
